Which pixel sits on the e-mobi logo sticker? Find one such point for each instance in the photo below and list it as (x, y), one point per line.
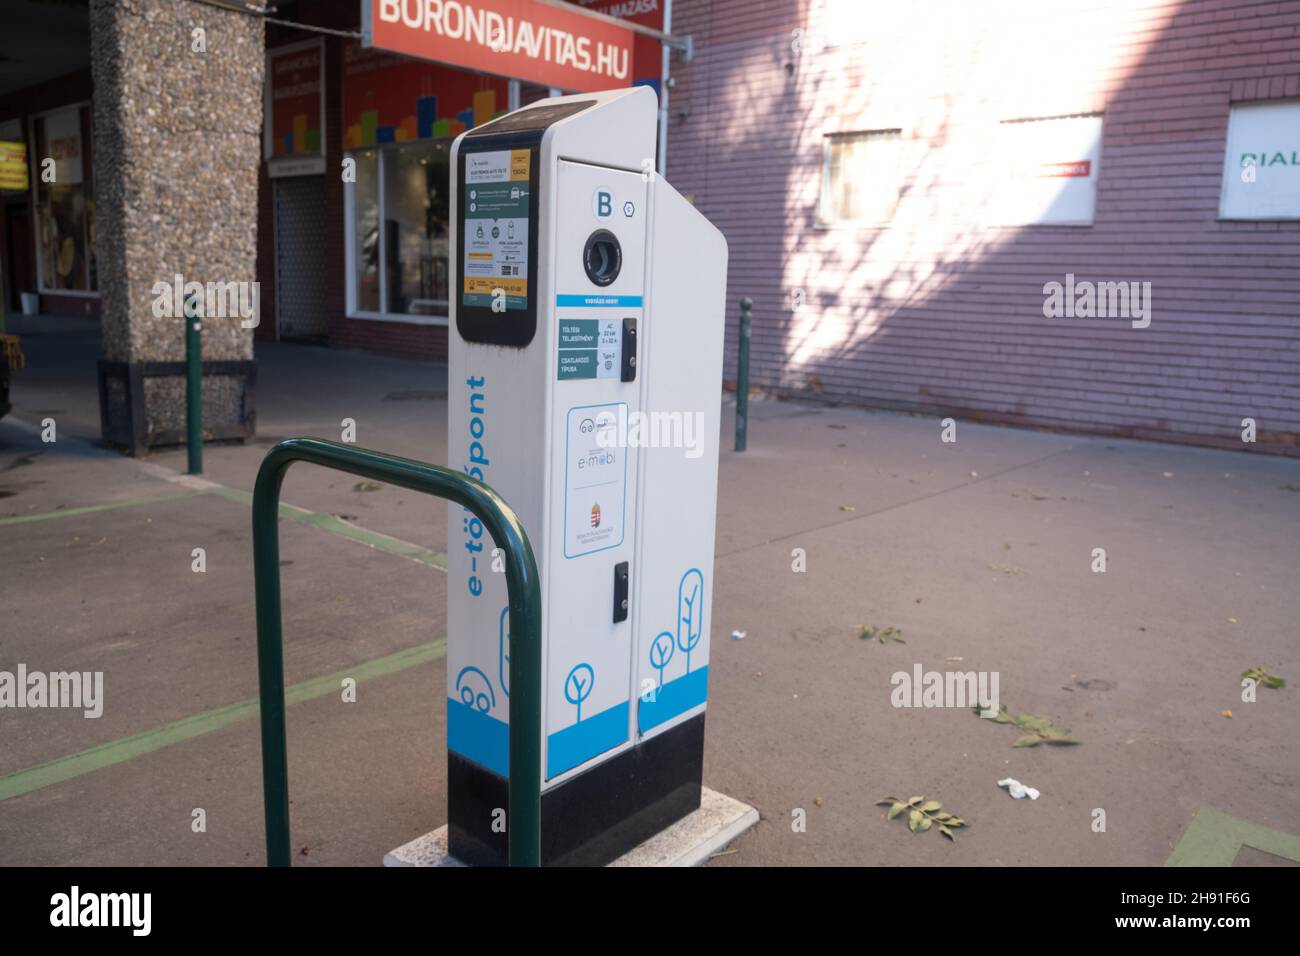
(519, 38)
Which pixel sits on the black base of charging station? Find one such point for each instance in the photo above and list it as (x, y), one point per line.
(591, 819)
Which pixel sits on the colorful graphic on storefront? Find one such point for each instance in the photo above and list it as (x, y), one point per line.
(390, 99)
(495, 233)
(296, 101)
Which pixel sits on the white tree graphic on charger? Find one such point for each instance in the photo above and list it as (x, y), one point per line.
(661, 652)
(578, 686)
(690, 613)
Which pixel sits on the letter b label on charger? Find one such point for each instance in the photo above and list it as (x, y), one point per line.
(602, 203)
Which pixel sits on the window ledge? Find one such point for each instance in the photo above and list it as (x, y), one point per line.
(434, 320)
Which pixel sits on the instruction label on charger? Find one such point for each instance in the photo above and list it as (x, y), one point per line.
(595, 479)
(589, 348)
(495, 228)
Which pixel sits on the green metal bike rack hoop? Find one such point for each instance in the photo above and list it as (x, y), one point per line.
(523, 819)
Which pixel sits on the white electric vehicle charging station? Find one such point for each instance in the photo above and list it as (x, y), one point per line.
(585, 383)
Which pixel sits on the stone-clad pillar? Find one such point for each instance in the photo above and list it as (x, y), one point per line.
(178, 141)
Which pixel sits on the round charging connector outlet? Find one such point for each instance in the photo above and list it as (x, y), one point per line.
(602, 257)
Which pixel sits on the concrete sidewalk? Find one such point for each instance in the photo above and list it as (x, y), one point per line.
(980, 551)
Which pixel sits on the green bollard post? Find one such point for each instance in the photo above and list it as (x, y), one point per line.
(193, 388)
(742, 374)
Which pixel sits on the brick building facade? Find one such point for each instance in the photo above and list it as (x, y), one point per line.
(941, 311)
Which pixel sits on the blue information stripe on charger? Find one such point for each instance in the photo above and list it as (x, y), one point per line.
(478, 737)
(598, 301)
(486, 741)
(675, 697)
(571, 746)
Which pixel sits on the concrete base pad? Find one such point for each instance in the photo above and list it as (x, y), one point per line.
(688, 842)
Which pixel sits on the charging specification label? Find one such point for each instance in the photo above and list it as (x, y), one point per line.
(590, 348)
(495, 229)
(595, 479)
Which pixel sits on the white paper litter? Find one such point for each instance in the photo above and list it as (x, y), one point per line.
(1018, 789)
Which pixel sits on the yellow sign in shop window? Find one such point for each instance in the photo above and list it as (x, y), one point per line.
(13, 165)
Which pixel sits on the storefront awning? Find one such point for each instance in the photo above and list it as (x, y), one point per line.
(548, 42)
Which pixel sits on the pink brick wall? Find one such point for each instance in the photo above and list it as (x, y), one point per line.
(939, 313)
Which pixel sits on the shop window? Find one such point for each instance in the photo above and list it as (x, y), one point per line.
(1261, 169)
(1049, 171)
(65, 201)
(398, 208)
(364, 200)
(861, 177)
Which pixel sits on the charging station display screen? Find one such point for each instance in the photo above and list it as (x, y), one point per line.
(494, 232)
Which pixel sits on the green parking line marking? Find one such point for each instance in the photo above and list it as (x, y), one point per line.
(326, 522)
(1215, 839)
(210, 721)
(92, 509)
(344, 529)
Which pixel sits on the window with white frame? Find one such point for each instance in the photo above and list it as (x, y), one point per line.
(861, 177)
(397, 237)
